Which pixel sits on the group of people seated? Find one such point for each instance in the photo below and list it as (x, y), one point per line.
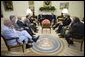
(65, 22)
(74, 26)
(76, 30)
(25, 31)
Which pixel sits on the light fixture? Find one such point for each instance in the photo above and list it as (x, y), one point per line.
(65, 11)
(28, 12)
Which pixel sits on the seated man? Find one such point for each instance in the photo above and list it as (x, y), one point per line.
(65, 22)
(76, 29)
(53, 17)
(8, 31)
(28, 22)
(40, 18)
(59, 17)
(65, 25)
(22, 25)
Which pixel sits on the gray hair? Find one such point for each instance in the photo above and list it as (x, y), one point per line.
(11, 17)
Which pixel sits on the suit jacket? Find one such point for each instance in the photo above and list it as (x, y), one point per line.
(77, 28)
(54, 17)
(67, 21)
(20, 23)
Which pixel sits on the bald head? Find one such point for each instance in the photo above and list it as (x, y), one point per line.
(76, 19)
(19, 18)
(7, 22)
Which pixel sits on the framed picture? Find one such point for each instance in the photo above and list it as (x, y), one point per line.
(8, 5)
(64, 5)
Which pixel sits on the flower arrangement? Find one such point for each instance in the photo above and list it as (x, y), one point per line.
(48, 8)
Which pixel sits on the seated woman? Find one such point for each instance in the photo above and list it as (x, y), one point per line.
(76, 29)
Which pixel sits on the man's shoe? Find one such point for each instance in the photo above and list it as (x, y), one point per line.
(28, 46)
(34, 34)
(35, 39)
(30, 41)
(61, 36)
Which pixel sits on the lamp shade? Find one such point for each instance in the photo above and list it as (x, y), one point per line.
(28, 12)
(65, 11)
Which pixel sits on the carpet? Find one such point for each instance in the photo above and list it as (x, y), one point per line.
(47, 44)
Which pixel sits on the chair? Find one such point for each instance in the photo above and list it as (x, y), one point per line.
(9, 47)
(46, 24)
(80, 40)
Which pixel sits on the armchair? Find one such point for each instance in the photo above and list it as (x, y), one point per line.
(9, 47)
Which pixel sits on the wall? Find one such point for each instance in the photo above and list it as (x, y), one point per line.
(76, 8)
(19, 9)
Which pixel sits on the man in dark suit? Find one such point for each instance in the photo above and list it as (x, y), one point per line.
(57, 24)
(65, 22)
(22, 25)
(29, 23)
(53, 17)
(76, 29)
(40, 18)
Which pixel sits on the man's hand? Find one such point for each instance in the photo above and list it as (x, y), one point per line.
(21, 29)
(31, 24)
(27, 27)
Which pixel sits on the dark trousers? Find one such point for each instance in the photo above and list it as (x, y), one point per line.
(68, 38)
(29, 31)
(72, 35)
(56, 25)
(34, 28)
(59, 28)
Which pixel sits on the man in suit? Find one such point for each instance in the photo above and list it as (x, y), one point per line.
(40, 18)
(65, 22)
(22, 25)
(57, 24)
(53, 17)
(29, 23)
(76, 29)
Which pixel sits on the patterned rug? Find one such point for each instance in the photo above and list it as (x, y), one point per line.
(47, 44)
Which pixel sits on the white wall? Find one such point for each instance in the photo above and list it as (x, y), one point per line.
(76, 8)
(19, 9)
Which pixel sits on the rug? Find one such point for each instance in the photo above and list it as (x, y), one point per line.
(47, 44)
